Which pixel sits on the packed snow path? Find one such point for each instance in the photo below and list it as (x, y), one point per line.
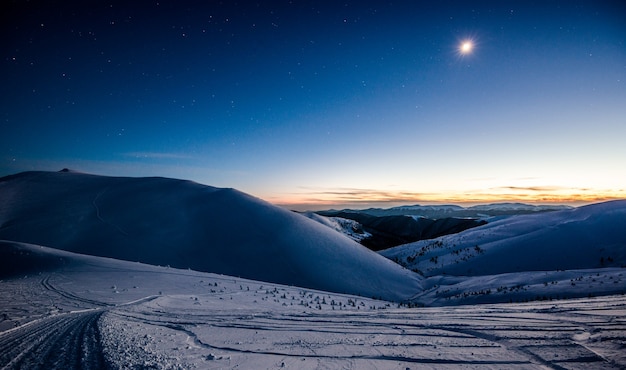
(176, 319)
(65, 341)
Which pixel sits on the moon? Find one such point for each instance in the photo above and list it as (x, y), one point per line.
(466, 47)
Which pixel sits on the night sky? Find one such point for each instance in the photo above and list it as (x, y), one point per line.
(327, 103)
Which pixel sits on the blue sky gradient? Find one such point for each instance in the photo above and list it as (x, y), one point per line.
(309, 102)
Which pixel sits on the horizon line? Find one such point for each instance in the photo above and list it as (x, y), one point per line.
(366, 204)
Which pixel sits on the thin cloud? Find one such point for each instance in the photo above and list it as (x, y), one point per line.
(359, 195)
(534, 188)
(156, 155)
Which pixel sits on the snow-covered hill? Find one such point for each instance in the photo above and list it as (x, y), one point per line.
(187, 225)
(565, 254)
(570, 253)
(587, 237)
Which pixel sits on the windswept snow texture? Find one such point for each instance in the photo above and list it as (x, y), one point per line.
(187, 225)
(89, 312)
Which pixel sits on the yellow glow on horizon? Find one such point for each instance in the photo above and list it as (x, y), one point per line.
(365, 198)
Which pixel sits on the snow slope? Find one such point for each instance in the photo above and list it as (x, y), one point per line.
(187, 225)
(566, 254)
(587, 237)
(350, 228)
(73, 311)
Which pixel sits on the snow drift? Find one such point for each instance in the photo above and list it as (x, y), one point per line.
(188, 225)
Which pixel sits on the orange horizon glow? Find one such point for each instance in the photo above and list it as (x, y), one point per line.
(352, 198)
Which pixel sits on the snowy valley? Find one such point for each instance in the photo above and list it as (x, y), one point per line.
(102, 272)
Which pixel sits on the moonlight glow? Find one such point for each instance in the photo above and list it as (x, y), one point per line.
(466, 47)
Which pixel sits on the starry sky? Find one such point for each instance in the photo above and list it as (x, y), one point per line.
(319, 104)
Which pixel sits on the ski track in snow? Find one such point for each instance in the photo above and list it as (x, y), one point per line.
(65, 341)
(99, 215)
(194, 323)
(45, 283)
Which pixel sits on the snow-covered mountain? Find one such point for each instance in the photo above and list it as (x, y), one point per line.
(571, 253)
(187, 225)
(66, 310)
(592, 236)
(164, 221)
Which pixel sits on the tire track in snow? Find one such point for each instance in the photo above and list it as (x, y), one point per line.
(525, 350)
(419, 360)
(66, 341)
(69, 340)
(45, 282)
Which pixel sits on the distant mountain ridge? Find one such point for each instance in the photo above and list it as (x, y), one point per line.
(180, 223)
(443, 211)
(380, 229)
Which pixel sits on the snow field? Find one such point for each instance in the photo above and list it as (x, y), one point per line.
(167, 318)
